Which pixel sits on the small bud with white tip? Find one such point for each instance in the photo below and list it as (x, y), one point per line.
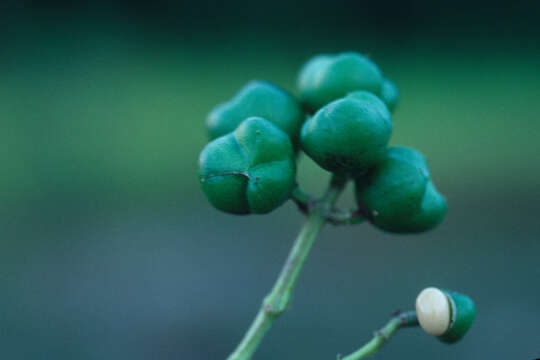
(445, 314)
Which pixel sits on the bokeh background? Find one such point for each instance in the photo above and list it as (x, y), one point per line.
(108, 249)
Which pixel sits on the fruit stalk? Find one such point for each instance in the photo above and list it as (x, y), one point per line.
(275, 303)
(383, 335)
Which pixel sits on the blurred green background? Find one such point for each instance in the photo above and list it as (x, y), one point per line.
(108, 249)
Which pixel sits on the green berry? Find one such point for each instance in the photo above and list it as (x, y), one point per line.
(251, 170)
(261, 99)
(448, 315)
(348, 135)
(399, 195)
(389, 94)
(326, 78)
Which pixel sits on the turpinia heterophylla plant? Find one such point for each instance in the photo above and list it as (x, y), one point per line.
(342, 120)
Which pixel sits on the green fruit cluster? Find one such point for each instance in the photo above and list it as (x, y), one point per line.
(342, 120)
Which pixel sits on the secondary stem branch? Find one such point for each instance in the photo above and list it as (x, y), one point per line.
(276, 301)
(383, 335)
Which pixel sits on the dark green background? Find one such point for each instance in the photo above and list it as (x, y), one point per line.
(108, 249)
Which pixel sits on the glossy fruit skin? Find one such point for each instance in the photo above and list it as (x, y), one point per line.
(261, 99)
(399, 194)
(389, 94)
(325, 78)
(348, 135)
(251, 170)
(464, 312)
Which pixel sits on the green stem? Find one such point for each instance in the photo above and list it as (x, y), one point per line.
(276, 301)
(383, 335)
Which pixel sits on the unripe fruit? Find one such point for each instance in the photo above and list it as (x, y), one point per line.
(261, 99)
(399, 195)
(325, 78)
(251, 170)
(389, 94)
(348, 135)
(445, 314)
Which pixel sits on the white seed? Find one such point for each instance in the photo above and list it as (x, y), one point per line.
(433, 311)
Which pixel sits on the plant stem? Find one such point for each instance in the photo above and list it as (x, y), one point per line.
(275, 303)
(383, 335)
